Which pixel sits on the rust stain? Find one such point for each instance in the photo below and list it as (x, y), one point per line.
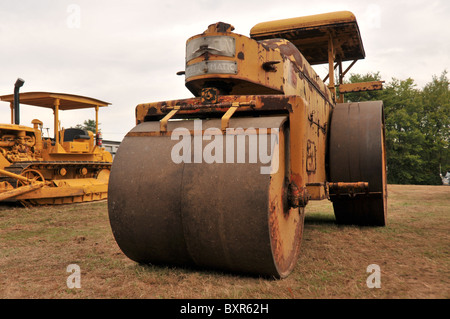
(277, 242)
(152, 111)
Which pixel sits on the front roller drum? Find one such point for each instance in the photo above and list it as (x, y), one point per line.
(226, 215)
(357, 154)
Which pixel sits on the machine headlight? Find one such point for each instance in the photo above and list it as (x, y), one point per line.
(218, 45)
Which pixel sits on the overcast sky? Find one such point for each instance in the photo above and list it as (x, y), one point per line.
(128, 52)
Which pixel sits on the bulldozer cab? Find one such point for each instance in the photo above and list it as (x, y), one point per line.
(64, 141)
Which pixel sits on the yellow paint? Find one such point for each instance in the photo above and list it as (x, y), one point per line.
(249, 58)
(312, 21)
(19, 143)
(289, 75)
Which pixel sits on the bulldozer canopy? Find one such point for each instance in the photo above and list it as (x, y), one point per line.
(47, 99)
(311, 34)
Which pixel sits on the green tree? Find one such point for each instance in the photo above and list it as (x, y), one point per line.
(88, 125)
(435, 99)
(404, 138)
(417, 127)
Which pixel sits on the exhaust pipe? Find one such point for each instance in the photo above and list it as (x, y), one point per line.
(17, 86)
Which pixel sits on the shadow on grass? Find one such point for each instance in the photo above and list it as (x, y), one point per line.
(161, 269)
(320, 219)
(10, 205)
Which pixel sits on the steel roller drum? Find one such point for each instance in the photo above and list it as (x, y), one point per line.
(357, 154)
(225, 216)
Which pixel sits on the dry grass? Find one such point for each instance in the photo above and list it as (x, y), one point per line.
(37, 245)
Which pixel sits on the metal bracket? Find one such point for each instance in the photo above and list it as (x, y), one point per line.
(297, 197)
(228, 114)
(349, 189)
(210, 95)
(361, 86)
(163, 123)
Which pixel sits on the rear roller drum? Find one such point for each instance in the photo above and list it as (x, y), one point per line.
(357, 154)
(225, 216)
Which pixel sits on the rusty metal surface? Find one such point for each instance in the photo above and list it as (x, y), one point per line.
(272, 66)
(241, 73)
(300, 77)
(349, 189)
(224, 216)
(361, 86)
(310, 35)
(229, 216)
(357, 155)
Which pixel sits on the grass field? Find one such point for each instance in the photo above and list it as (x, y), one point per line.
(412, 251)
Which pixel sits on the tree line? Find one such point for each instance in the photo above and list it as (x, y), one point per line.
(417, 127)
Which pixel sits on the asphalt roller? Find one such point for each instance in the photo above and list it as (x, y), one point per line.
(221, 180)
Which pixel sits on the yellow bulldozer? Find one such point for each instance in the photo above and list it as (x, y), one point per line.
(221, 180)
(70, 167)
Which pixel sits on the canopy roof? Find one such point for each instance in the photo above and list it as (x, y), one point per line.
(47, 99)
(310, 35)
